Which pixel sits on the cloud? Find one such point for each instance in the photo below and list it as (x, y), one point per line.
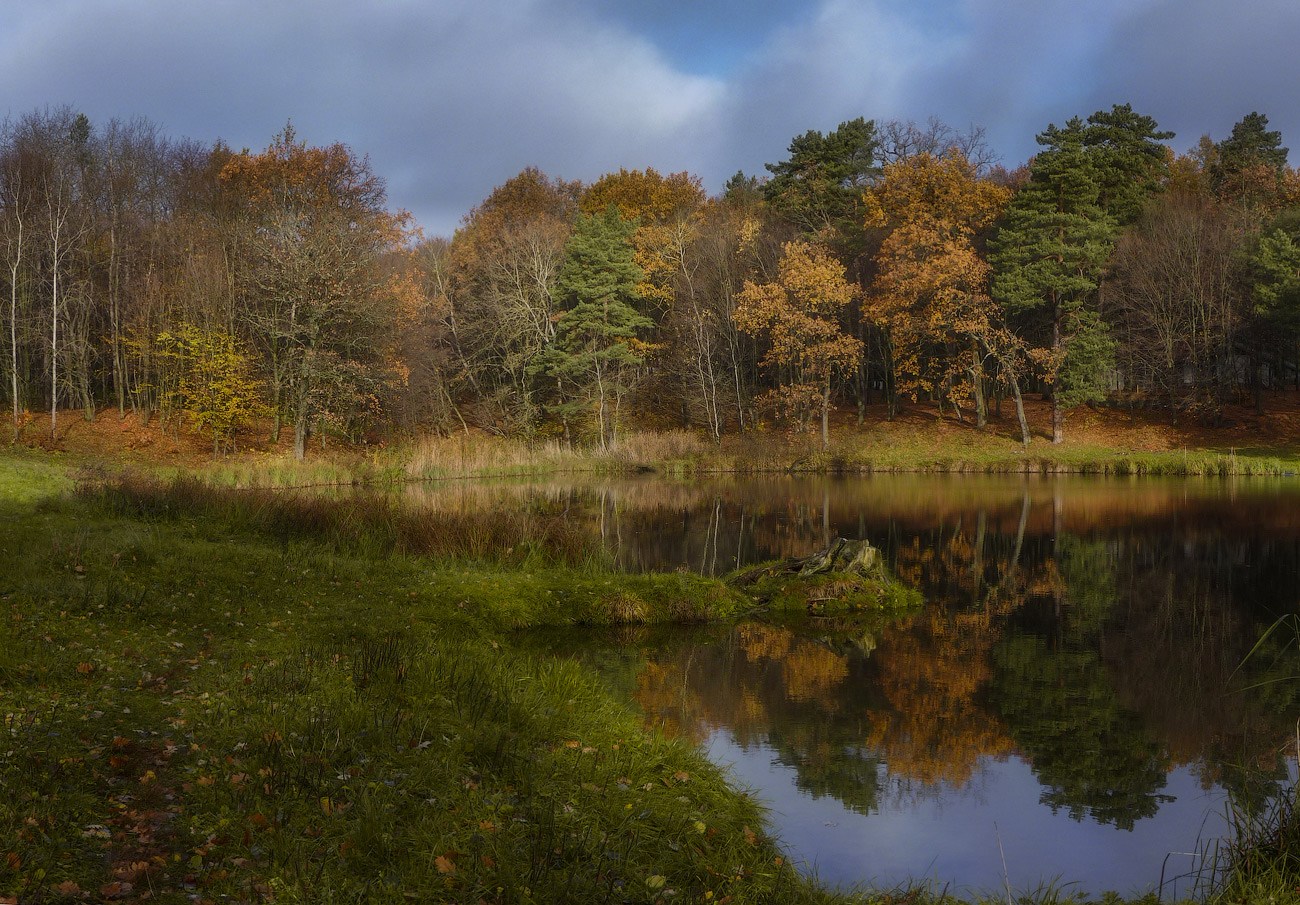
(851, 59)
(448, 99)
(452, 98)
(1199, 66)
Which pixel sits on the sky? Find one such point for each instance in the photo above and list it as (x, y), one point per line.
(450, 98)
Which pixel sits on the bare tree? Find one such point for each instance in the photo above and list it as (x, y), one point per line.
(900, 140)
(15, 202)
(1174, 294)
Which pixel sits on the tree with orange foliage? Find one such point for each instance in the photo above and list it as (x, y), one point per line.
(314, 293)
(799, 314)
(930, 296)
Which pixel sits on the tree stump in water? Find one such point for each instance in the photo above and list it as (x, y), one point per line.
(846, 576)
(852, 557)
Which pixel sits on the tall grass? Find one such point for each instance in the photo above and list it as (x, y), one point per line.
(683, 453)
(1260, 862)
(484, 456)
(363, 522)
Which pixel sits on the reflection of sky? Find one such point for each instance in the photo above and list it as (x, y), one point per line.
(958, 840)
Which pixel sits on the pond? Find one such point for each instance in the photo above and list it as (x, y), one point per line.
(1077, 703)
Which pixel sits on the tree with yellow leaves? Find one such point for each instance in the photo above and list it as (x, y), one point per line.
(799, 313)
(213, 381)
(930, 296)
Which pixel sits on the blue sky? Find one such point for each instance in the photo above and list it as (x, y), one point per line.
(451, 98)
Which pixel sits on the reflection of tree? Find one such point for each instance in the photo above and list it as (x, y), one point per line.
(1087, 573)
(766, 685)
(932, 670)
(1165, 585)
(1095, 756)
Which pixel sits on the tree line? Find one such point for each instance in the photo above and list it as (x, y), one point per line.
(878, 263)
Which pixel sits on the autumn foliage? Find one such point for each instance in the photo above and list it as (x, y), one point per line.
(798, 313)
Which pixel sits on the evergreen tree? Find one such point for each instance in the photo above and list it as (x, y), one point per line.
(1249, 166)
(1250, 143)
(1273, 273)
(819, 188)
(596, 349)
(1048, 258)
(1130, 162)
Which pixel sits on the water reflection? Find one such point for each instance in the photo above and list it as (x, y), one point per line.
(1075, 679)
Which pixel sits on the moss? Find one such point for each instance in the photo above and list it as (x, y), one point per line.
(826, 594)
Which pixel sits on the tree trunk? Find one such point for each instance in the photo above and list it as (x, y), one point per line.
(826, 415)
(54, 350)
(300, 436)
(1058, 416)
(977, 389)
(1020, 411)
(13, 326)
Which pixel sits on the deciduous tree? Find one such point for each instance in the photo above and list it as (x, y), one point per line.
(930, 295)
(799, 313)
(215, 386)
(504, 264)
(315, 293)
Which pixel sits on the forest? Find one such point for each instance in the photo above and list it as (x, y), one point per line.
(878, 264)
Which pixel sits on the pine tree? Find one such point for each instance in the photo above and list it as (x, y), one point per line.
(1249, 166)
(596, 349)
(1048, 259)
(1130, 162)
(819, 188)
(1250, 143)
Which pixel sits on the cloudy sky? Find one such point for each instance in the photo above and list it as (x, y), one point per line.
(452, 97)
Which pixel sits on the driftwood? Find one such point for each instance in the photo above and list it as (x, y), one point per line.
(849, 557)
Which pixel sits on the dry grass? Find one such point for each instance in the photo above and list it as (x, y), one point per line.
(918, 438)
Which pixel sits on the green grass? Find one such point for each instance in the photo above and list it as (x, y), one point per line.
(202, 699)
(27, 477)
(295, 720)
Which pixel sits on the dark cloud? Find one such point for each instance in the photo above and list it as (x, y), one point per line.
(452, 98)
(1199, 66)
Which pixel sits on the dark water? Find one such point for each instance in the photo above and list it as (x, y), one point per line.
(1079, 700)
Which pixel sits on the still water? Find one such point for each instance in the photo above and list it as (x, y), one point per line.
(1075, 704)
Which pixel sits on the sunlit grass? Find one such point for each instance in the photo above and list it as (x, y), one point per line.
(26, 477)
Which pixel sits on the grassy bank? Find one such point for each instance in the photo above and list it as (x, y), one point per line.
(1102, 441)
(210, 697)
(897, 450)
(194, 707)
